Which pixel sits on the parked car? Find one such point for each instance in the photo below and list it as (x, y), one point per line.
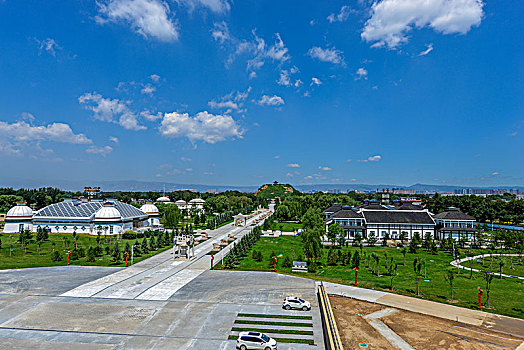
(255, 340)
(296, 303)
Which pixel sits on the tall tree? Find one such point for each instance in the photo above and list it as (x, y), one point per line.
(450, 276)
(417, 266)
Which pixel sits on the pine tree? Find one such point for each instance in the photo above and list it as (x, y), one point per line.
(355, 262)
(115, 255)
(152, 245)
(287, 262)
(90, 254)
(127, 248)
(145, 246)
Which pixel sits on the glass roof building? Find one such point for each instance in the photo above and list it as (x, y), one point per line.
(85, 216)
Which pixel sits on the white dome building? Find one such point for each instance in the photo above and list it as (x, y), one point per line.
(163, 199)
(152, 211)
(19, 218)
(197, 204)
(181, 204)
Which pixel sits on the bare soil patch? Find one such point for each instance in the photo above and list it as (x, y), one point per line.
(420, 331)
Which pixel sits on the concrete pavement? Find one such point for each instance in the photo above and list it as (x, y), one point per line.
(155, 304)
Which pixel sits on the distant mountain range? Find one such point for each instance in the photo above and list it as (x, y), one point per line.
(416, 187)
(142, 186)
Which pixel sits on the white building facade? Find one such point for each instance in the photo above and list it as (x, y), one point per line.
(93, 217)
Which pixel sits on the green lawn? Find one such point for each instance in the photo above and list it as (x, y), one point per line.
(29, 257)
(511, 265)
(285, 226)
(506, 296)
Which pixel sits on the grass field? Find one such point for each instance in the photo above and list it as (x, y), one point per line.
(506, 296)
(510, 266)
(28, 257)
(285, 226)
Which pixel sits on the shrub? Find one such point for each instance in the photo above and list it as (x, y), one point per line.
(90, 254)
(115, 255)
(56, 256)
(271, 261)
(287, 262)
(312, 267)
(129, 235)
(97, 250)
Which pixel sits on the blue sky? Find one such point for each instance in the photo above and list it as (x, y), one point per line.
(246, 92)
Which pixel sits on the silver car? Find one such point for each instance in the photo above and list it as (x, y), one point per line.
(255, 340)
(296, 303)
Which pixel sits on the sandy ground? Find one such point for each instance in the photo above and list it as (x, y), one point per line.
(420, 331)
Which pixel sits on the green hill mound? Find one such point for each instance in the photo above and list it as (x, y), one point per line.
(275, 190)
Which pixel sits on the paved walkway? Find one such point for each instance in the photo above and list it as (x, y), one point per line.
(458, 262)
(160, 276)
(497, 323)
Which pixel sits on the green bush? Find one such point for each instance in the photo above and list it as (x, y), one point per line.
(129, 235)
(287, 262)
(312, 267)
(56, 256)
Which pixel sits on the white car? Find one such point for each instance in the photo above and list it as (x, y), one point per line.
(255, 340)
(296, 303)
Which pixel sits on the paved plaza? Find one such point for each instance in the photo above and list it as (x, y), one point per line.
(158, 303)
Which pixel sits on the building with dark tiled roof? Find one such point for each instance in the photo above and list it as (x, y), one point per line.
(454, 223)
(332, 209)
(374, 219)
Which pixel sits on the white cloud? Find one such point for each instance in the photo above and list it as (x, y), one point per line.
(271, 100)
(324, 168)
(326, 55)
(185, 159)
(18, 135)
(217, 6)
(155, 77)
(276, 52)
(48, 45)
(315, 81)
(99, 150)
(276, 157)
(341, 16)
(361, 73)
(293, 165)
(114, 139)
(220, 32)
(375, 158)
(428, 50)
(110, 110)
(148, 89)
(391, 20)
(149, 18)
(203, 126)
(232, 101)
(148, 115)
(256, 48)
(285, 77)
(495, 173)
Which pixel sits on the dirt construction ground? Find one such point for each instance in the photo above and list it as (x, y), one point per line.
(416, 330)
